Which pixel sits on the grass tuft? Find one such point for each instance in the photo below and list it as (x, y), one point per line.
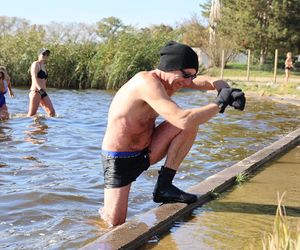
(281, 237)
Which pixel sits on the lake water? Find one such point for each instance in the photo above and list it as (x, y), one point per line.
(51, 176)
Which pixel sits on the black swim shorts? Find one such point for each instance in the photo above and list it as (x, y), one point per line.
(122, 168)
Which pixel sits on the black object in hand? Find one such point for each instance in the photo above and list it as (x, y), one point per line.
(230, 96)
(239, 99)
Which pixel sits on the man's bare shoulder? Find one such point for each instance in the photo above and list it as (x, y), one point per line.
(147, 80)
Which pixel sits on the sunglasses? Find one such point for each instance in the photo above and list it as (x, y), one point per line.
(45, 54)
(187, 75)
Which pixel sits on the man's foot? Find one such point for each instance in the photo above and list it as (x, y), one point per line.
(172, 194)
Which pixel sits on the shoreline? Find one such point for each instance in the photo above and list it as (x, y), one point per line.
(287, 99)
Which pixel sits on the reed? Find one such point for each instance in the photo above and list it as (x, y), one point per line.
(282, 237)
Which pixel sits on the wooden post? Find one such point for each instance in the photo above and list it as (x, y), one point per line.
(222, 64)
(275, 65)
(248, 64)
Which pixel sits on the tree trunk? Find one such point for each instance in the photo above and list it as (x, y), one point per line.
(262, 58)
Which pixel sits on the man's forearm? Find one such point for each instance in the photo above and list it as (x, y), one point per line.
(190, 118)
(202, 83)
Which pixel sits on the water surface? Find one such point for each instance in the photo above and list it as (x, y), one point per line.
(51, 176)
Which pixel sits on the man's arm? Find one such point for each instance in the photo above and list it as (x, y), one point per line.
(207, 83)
(202, 83)
(152, 92)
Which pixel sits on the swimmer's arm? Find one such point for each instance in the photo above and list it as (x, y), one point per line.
(34, 71)
(11, 93)
(157, 98)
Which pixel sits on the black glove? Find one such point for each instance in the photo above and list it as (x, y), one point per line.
(42, 93)
(239, 99)
(224, 98)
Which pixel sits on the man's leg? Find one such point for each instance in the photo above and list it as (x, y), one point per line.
(175, 144)
(170, 141)
(115, 205)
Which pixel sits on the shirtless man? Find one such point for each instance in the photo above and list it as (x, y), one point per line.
(38, 95)
(132, 142)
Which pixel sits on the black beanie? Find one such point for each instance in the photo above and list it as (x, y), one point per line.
(176, 56)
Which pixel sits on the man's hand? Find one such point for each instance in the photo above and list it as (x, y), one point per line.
(230, 96)
(224, 98)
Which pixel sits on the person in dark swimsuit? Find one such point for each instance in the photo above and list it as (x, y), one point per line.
(288, 66)
(38, 95)
(5, 86)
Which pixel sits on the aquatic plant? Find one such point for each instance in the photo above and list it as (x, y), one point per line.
(281, 238)
(241, 177)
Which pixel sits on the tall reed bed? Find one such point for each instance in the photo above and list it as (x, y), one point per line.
(81, 64)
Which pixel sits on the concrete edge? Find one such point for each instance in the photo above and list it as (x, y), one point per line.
(139, 229)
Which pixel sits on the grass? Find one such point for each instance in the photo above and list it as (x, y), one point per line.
(215, 72)
(240, 70)
(281, 238)
(260, 80)
(269, 89)
(241, 177)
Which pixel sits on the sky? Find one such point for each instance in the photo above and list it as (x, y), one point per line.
(138, 13)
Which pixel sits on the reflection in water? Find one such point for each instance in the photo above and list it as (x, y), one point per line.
(5, 133)
(240, 218)
(51, 177)
(36, 133)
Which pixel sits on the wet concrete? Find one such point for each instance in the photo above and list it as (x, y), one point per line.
(141, 228)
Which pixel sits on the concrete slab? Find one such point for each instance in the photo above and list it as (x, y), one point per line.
(143, 227)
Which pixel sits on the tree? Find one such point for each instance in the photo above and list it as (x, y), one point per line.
(12, 25)
(109, 27)
(261, 25)
(194, 33)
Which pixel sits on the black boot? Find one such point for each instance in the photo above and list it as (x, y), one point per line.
(165, 191)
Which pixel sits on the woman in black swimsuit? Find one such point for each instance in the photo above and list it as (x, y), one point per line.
(288, 66)
(38, 95)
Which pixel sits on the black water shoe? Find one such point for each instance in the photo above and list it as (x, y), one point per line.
(172, 194)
